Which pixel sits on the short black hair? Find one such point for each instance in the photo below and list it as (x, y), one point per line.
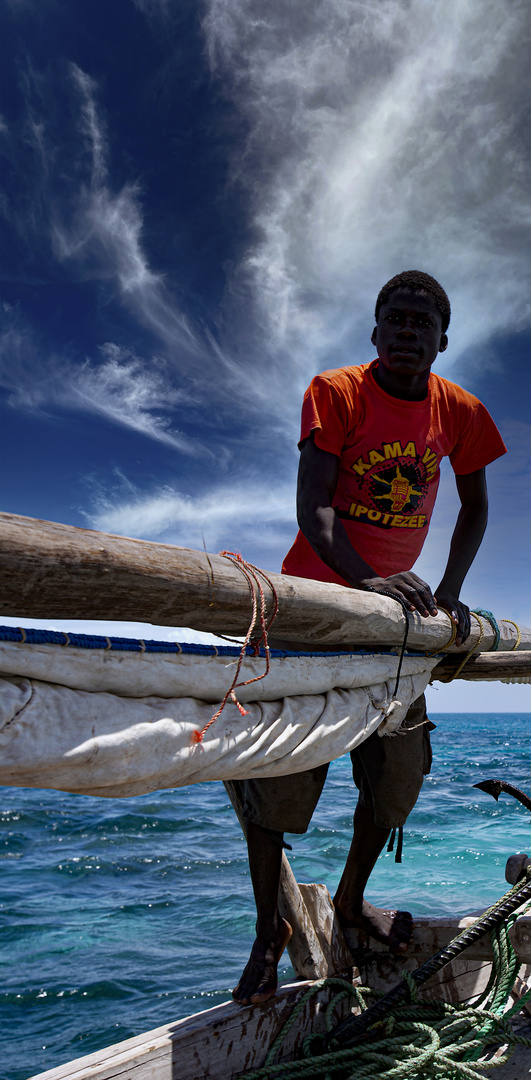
(418, 281)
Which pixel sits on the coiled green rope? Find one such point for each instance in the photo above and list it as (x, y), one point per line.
(417, 1040)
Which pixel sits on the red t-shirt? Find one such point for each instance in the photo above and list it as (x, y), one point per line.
(389, 452)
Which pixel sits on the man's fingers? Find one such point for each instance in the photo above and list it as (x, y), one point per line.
(463, 625)
(421, 597)
(431, 602)
(415, 601)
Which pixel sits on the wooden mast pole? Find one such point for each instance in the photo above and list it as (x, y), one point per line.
(49, 570)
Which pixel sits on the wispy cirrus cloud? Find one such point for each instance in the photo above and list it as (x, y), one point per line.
(250, 514)
(381, 137)
(97, 232)
(121, 387)
(103, 235)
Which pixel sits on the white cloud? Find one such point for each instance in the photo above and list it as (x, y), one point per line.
(104, 236)
(90, 125)
(132, 393)
(248, 515)
(122, 387)
(99, 233)
(381, 137)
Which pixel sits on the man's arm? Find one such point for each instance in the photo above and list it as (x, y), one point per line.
(466, 538)
(316, 485)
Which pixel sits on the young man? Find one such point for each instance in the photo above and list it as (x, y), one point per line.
(371, 442)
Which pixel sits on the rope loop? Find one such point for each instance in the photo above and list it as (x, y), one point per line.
(411, 985)
(254, 577)
(490, 618)
(518, 633)
(459, 669)
(453, 633)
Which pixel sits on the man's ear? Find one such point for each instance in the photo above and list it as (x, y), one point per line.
(373, 336)
(444, 343)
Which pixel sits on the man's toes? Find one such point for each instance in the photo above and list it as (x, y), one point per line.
(401, 931)
(263, 995)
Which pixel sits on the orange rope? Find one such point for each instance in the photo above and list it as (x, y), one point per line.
(252, 575)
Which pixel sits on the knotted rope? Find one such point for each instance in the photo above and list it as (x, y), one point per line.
(252, 576)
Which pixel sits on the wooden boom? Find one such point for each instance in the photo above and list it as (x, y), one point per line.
(485, 666)
(49, 570)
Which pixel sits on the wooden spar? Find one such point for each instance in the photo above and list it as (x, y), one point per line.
(485, 666)
(49, 570)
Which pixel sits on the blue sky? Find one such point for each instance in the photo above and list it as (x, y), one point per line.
(199, 204)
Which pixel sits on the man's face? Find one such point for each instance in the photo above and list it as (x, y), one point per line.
(408, 334)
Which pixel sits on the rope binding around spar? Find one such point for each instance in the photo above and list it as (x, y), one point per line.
(253, 576)
(491, 619)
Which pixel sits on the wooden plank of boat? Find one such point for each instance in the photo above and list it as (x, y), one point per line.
(465, 977)
(50, 570)
(218, 1044)
(225, 1041)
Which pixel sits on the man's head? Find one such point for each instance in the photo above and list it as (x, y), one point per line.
(416, 281)
(412, 312)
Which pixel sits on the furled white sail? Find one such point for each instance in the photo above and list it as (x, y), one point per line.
(119, 723)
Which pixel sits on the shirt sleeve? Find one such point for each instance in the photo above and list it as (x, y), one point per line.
(479, 440)
(327, 411)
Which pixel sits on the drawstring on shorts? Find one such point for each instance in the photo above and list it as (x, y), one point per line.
(400, 843)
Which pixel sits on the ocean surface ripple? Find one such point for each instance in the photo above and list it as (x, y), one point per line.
(122, 915)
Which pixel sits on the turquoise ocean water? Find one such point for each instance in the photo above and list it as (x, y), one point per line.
(119, 916)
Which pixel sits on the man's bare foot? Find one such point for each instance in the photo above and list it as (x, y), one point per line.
(259, 979)
(392, 928)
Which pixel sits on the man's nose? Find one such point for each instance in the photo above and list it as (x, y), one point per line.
(408, 329)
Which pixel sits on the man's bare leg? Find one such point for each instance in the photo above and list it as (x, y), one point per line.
(393, 928)
(259, 979)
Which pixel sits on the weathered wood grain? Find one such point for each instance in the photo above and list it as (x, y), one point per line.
(431, 935)
(215, 1045)
(323, 916)
(485, 666)
(49, 570)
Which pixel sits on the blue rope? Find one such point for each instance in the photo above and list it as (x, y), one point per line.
(31, 636)
(490, 618)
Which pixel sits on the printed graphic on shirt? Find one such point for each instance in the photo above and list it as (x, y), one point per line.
(393, 484)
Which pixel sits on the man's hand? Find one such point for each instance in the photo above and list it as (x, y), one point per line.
(459, 614)
(408, 587)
